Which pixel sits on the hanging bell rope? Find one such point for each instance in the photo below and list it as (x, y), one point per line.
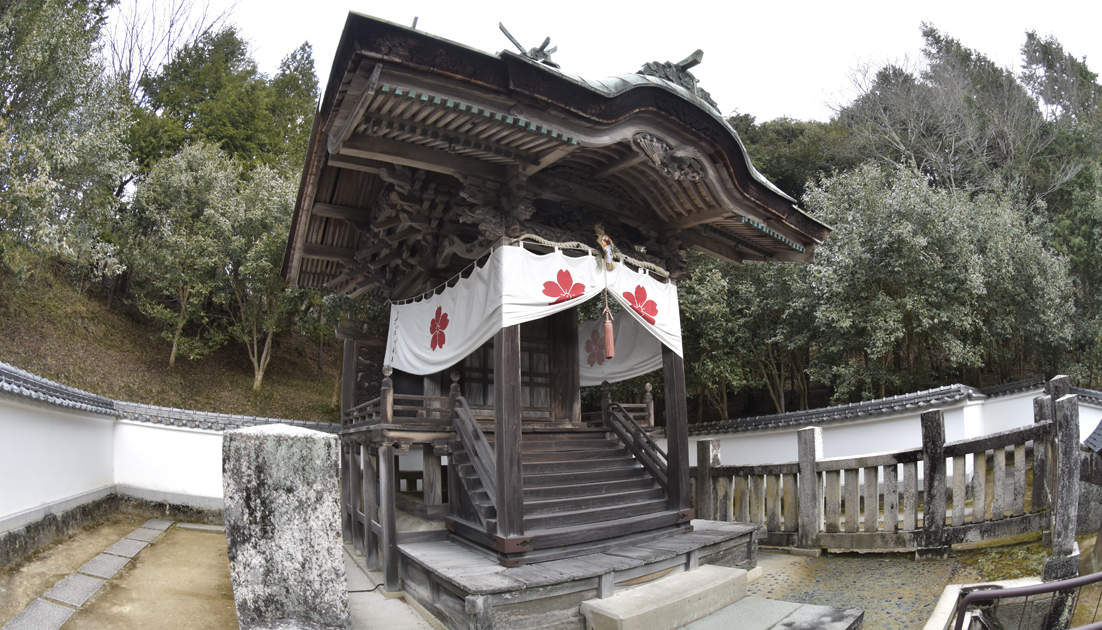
(610, 344)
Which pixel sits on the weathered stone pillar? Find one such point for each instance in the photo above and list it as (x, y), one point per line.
(930, 545)
(810, 443)
(707, 457)
(283, 527)
(1063, 563)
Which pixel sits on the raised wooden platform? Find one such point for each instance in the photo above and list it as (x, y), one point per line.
(464, 589)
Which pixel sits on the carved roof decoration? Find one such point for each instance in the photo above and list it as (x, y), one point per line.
(424, 152)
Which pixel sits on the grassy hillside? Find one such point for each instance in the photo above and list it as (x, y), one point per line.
(50, 328)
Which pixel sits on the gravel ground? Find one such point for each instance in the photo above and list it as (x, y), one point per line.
(893, 590)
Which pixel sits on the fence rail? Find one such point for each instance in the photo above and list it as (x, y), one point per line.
(923, 499)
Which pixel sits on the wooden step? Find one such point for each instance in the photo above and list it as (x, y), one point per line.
(569, 478)
(552, 506)
(588, 465)
(588, 489)
(573, 456)
(594, 514)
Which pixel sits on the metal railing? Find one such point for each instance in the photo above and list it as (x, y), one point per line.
(1048, 606)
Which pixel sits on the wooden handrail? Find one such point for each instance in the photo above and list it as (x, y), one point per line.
(478, 449)
(641, 445)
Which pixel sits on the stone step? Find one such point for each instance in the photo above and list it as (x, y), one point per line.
(757, 613)
(669, 603)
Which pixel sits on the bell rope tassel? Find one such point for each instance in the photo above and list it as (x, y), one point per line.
(610, 345)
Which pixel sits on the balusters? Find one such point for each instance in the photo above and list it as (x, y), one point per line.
(772, 503)
(910, 496)
(998, 505)
(872, 498)
(1019, 479)
(853, 500)
(958, 490)
(891, 498)
(979, 487)
(741, 499)
(791, 501)
(833, 502)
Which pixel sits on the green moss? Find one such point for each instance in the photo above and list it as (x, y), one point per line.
(1007, 563)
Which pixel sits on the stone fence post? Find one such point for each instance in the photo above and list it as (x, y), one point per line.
(810, 443)
(707, 458)
(930, 543)
(606, 403)
(648, 401)
(1063, 563)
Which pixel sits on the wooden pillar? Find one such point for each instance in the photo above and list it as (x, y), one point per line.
(677, 429)
(933, 487)
(357, 503)
(1063, 563)
(453, 470)
(430, 464)
(566, 393)
(809, 446)
(348, 379)
(346, 491)
(387, 517)
(371, 509)
(707, 458)
(507, 433)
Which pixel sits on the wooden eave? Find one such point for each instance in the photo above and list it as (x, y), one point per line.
(400, 101)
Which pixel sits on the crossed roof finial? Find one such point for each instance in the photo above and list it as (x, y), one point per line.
(541, 54)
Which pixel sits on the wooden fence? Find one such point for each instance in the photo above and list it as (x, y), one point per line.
(998, 485)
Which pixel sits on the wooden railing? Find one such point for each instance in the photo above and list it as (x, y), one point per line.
(858, 503)
(479, 451)
(639, 442)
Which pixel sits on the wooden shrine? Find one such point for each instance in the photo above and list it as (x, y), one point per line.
(426, 158)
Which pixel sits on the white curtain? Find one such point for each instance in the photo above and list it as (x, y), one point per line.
(516, 286)
(637, 351)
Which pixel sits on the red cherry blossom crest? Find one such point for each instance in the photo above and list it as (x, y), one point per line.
(565, 289)
(647, 309)
(595, 348)
(436, 328)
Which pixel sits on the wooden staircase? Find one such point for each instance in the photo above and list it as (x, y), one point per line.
(584, 492)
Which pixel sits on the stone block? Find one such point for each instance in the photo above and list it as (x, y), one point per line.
(144, 534)
(157, 523)
(74, 590)
(669, 603)
(40, 615)
(126, 548)
(1062, 567)
(104, 566)
(201, 527)
(283, 527)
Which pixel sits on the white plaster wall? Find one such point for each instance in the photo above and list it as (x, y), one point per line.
(1009, 412)
(171, 461)
(49, 454)
(1089, 417)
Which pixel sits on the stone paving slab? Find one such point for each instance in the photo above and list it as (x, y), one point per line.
(104, 566)
(74, 590)
(201, 526)
(144, 534)
(126, 547)
(758, 613)
(40, 615)
(157, 523)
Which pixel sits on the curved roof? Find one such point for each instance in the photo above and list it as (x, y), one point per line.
(415, 131)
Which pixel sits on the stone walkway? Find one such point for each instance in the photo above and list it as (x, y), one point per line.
(54, 608)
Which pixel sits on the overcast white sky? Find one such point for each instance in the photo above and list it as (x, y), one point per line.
(768, 59)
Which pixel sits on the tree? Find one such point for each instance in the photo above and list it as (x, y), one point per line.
(61, 124)
(791, 153)
(211, 90)
(180, 223)
(256, 296)
(917, 286)
(960, 121)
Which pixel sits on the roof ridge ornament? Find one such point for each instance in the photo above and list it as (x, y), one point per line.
(540, 55)
(678, 74)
